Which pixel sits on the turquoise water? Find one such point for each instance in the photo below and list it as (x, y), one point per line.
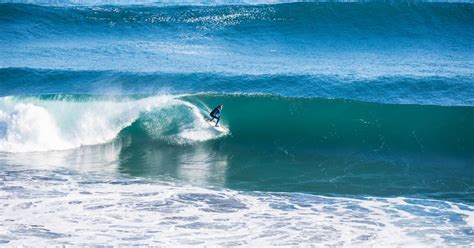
(348, 122)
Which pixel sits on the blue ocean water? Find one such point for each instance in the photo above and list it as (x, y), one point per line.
(350, 123)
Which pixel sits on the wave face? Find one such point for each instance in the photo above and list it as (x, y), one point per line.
(254, 119)
(276, 143)
(349, 39)
(288, 122)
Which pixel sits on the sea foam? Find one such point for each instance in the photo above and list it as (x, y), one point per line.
(61, 207)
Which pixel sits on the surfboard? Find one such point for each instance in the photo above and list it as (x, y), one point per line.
(218, 128)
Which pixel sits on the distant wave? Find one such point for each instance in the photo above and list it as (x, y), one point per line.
(302, 19)
(429, 90)
(199, 2)
(369, 39)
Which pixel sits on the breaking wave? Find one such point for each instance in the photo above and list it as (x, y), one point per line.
(66, 122)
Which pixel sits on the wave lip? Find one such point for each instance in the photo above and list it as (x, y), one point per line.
(35, 124)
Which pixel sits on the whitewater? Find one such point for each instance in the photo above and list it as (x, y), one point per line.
(61, 124)
(350, 123)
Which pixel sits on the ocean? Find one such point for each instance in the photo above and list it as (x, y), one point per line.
(350, 123)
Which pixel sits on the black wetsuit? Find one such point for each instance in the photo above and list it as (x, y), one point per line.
(216, 114)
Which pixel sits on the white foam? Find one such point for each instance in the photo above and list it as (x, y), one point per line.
(30, 124)
(73, 210)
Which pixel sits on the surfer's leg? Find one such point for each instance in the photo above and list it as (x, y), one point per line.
(217, 122)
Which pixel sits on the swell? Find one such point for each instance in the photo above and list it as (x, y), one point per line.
(361, 39)
(422, 90)
(317, 21)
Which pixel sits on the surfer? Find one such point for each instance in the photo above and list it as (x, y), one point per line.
(216, 114)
